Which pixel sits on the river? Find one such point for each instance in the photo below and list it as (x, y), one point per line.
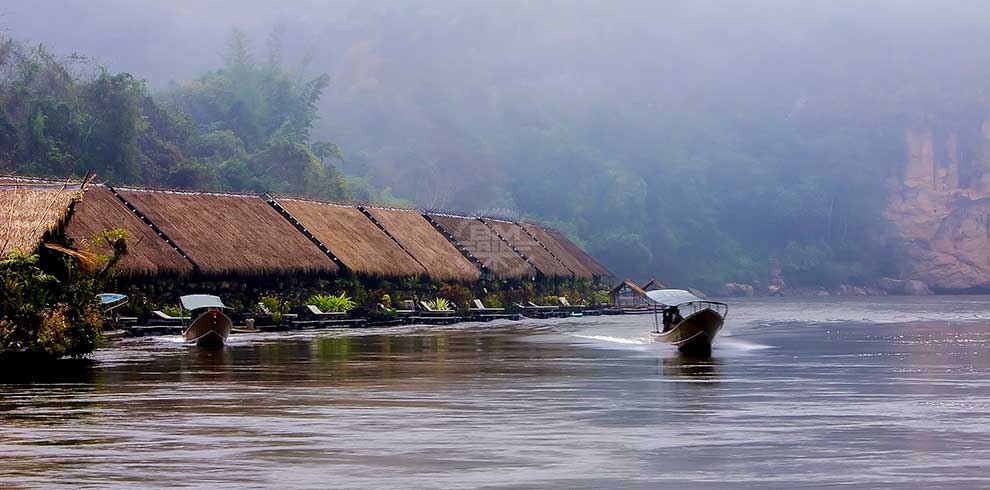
(876, 392)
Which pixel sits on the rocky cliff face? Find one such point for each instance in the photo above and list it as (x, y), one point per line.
(941, 209)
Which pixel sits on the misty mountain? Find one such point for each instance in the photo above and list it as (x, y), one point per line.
(700, 142)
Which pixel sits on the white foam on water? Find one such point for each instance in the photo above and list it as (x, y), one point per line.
(735, 343)
(617, 340)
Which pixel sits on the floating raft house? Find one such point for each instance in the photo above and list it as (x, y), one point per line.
(229, 234)
(561, 253)
(354, 239)
(482, 243)
(524, 244)
(31, 208)
(428, 246)
(185, 233)
(148, 254)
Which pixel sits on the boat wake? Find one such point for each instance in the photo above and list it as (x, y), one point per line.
(737, 344)
(617, 340)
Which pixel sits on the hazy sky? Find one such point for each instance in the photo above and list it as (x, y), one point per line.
(582, 110)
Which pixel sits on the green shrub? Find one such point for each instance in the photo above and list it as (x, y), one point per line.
(41, 315)
(456, 294)
(172, 310)
(332, 303)
(492, 301)
(598, 298)
(439, 304)
(276, 306)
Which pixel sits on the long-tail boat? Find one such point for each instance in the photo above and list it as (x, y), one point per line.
(685, 320)
(210, 325)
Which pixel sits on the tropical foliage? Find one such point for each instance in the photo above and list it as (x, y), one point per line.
(274, 305)
(332, 303)
(54, 312)
(244, 127)
(173, 310)
(439, 304)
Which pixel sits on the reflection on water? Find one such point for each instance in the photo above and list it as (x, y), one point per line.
(702, 369)
(591, 403)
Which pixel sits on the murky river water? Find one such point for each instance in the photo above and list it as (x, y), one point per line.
(883, 393)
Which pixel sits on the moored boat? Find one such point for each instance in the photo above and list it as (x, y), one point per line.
(685, 320)
(210, 325)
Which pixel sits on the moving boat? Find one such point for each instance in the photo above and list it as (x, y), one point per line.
(685, 320)
(210, 326)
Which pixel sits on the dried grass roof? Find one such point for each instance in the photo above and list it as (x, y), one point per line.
(230, 234)
(493, 252)
(558, 250)
(589, 262)
(653, 284)
(351, 236)
(441, 258)
(147, 253)
(529, 248)
(628, 282)
(28, 210)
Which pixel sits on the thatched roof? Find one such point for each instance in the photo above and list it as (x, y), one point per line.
(524, 244)
(29, 209)
(628, 282)
(147, 253)
(478, 239)
(588, 261)
(353, 238)
(230, 234)
(441, 258)
(563, 254)
(653, 284)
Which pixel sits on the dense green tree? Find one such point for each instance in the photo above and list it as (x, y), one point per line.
(241, 128)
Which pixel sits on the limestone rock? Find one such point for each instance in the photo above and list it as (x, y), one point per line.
(915, 287)
(891, 286)
(849, 290)
(910, 287)
(734, 289)
(943, 219)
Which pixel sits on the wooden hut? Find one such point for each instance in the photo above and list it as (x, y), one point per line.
(527, 246)
(596, 268)
(353, 238)
(627, 294)
(229, 234)
(559, 251)
(474, 236)
(149, 254)
(29, 209)
(428, 246)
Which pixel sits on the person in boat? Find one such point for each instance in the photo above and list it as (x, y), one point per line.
(671, 317)
(668, 319)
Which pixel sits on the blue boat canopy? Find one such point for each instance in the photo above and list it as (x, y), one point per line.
(671, 297)
(108, 298)
(197, 301)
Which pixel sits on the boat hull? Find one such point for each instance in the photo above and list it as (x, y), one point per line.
(209, 329)
(695, 334)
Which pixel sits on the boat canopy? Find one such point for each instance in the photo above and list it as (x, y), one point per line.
(671, 297)
(197, 301)
(108, 298)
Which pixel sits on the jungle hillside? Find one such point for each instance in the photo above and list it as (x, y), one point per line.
(668, 138)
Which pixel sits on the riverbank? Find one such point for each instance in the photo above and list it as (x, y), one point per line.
(414, 318)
